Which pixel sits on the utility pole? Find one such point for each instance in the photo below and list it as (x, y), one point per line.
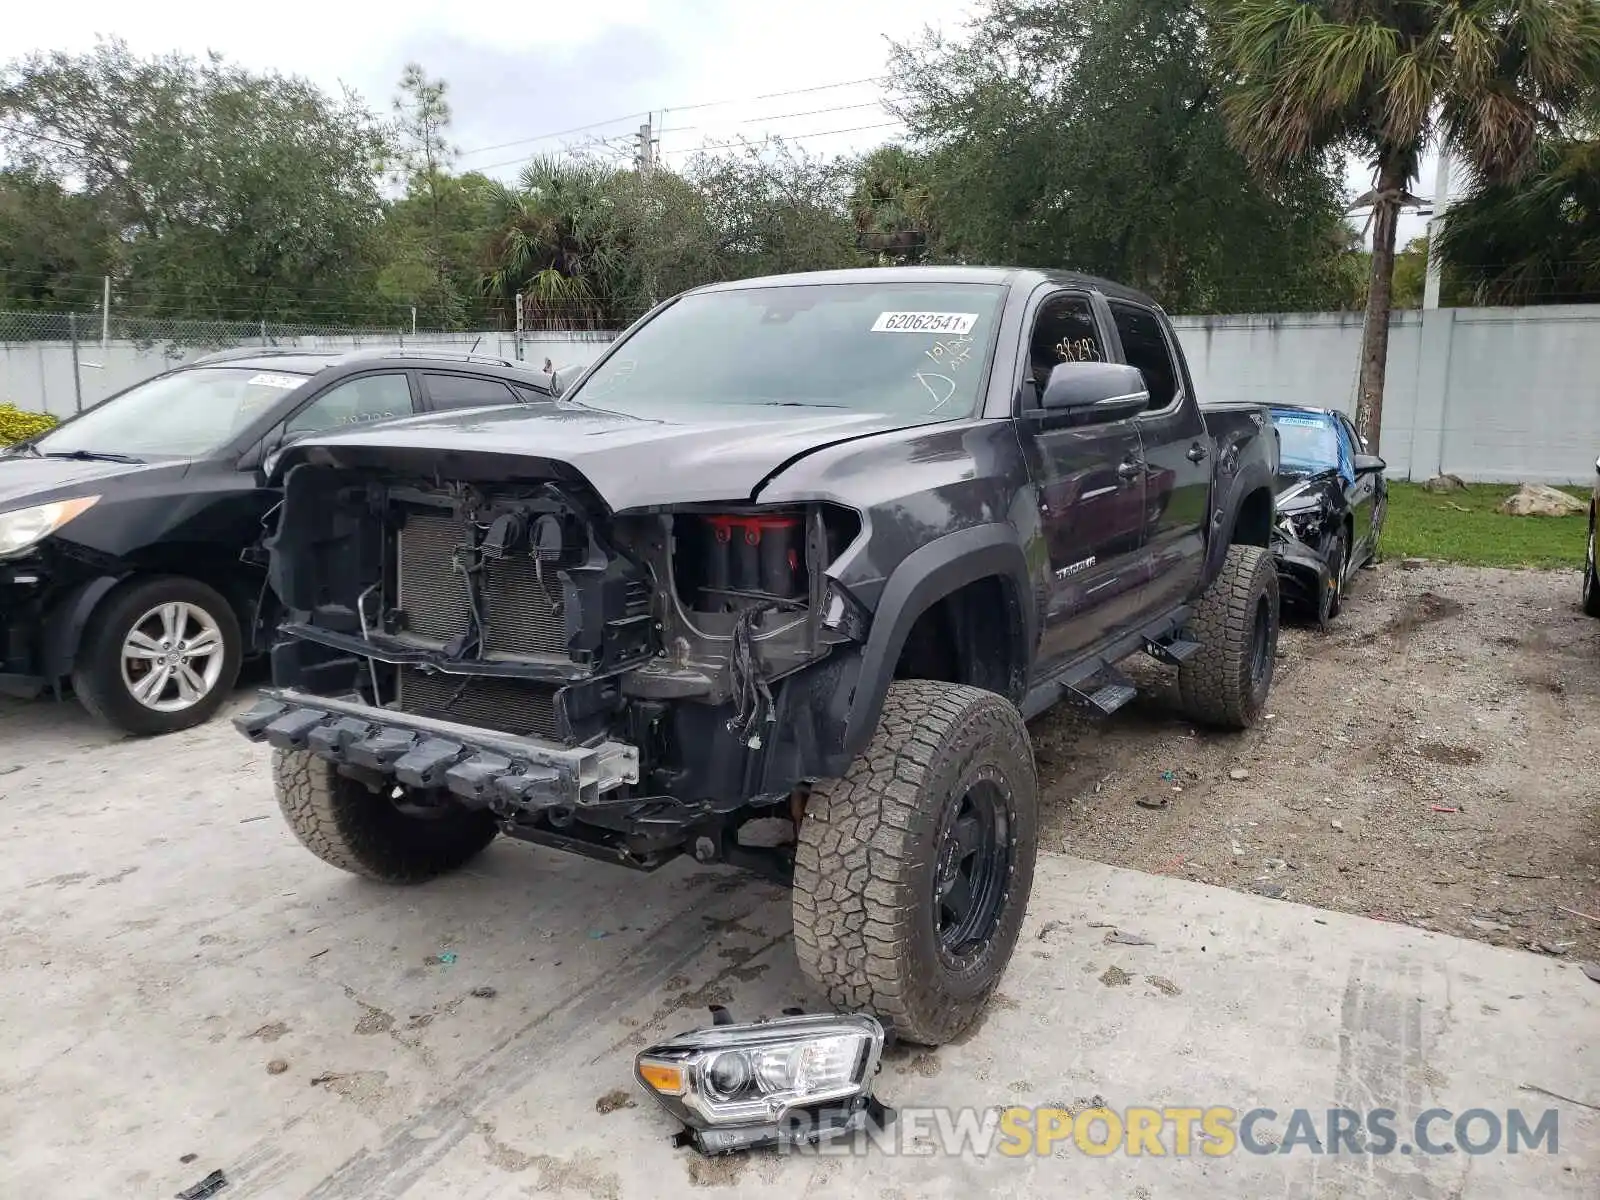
(516, 340)
(105, 311)
(644, 155)
(1441, 200)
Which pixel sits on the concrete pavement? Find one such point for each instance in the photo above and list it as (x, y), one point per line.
(164, 940)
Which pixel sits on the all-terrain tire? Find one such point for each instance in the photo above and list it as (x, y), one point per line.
(1236, 624)
(876, 845)
(355, 829)
(97, 677)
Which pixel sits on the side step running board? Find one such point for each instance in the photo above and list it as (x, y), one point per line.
(1172, 653)
(1114, 690)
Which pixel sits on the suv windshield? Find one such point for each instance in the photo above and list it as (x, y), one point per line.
(900, 348)
(187, 414)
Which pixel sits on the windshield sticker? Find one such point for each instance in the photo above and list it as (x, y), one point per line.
(271, 380)
(1305, 422)
(959, 324)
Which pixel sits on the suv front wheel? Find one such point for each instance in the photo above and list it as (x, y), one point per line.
(159, 655)
(912, 872)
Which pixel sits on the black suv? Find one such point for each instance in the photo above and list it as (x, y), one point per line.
(126, 532)
(776, 584)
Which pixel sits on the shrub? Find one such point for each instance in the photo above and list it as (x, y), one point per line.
(16, 423)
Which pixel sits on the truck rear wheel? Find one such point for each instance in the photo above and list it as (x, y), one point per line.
(1236, 624)
(374, 834)
(912, 872)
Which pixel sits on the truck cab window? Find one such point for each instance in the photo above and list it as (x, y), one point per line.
(1064, 331)
(1144, 345)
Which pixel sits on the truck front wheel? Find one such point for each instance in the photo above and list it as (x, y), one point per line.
(377, 835)
(1226, 683)
(912, 872)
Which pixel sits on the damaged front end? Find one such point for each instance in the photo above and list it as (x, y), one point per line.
(617, 685)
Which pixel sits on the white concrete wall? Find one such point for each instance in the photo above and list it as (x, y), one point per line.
(39, 375)
(1489, 394)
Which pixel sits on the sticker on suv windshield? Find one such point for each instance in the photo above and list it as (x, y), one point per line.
(925, 322)
(271, 380)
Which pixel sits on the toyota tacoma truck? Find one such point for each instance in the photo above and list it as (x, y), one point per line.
(775, 583)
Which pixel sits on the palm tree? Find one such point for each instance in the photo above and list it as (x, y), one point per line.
(557, 239)
(1310, 78)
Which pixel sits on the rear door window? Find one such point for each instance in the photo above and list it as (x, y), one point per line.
(466, 391)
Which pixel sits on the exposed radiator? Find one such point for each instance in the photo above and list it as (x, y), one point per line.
(519, 612)
(509, 705)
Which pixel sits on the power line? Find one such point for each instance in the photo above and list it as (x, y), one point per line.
(545, 137)
(815, 112)
(799, 137)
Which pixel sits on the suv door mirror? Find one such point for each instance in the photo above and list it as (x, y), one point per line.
(1099, 391)
(1364, 463)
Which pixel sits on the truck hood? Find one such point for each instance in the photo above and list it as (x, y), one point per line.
(26, 481)
(668, 455)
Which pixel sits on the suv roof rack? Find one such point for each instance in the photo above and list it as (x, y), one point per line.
(237, 352)
(442, 355)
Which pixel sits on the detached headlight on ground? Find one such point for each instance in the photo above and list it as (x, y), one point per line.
(25, 526)
(737, 1087)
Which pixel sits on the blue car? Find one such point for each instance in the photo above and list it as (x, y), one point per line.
(1331, 501)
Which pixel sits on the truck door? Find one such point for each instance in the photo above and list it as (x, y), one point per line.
(1090, 480)
(1177, 456)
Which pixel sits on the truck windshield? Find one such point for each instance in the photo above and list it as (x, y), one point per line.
(915, 350)
(187, 414)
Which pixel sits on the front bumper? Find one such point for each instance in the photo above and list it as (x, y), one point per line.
(1303, 577)
(482, 767)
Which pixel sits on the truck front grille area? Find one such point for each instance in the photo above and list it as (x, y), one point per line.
(519, 611)
(508, 705)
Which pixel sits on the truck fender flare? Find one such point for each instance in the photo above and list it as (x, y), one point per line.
(1225, 516)
(63, 630)
(927, 575)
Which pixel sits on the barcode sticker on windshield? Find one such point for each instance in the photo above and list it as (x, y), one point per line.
(925, 322)
(1303, 422)
(269, 379)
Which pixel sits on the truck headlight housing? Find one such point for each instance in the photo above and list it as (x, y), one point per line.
(25, 527)
(791, 1079)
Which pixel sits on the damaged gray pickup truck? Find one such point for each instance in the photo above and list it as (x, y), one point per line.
(775, 584)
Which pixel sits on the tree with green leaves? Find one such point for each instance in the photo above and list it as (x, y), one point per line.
(1308, 79)
(1535, 241)
(434, 237)
(230, 192)
(1089, 134)
(55, 244)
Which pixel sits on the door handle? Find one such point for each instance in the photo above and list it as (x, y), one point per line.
(1130, 469)
(1197, 453)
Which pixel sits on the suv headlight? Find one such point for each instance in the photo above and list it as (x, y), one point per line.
(26, 526)
(740, 1086)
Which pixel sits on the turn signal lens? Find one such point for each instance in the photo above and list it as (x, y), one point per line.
(666, 1078)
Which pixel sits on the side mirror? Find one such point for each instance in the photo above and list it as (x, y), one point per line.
(1368, 462)
(1100, 391)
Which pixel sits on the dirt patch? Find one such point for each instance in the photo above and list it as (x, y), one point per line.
(1430, 760)
(613, 1100)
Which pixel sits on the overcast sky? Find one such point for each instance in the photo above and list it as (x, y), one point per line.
(519, 73)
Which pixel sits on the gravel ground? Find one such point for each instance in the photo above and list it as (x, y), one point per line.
(1444, 688)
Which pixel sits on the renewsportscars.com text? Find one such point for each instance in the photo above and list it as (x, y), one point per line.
(1176, 1131)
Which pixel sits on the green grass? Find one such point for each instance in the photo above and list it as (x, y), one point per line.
(1463, 527)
